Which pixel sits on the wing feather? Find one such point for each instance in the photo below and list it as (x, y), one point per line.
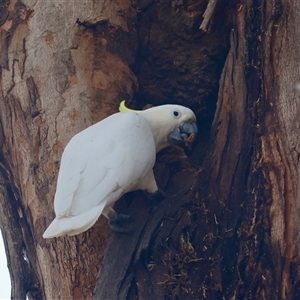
(105, 159)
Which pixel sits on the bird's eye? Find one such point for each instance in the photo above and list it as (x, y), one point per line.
(176, 113)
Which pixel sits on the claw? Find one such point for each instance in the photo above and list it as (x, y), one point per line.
(114, 226)
(122, 217)
(114, 220)
(114, 217)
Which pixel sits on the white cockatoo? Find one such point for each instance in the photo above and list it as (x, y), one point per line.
(111, 158)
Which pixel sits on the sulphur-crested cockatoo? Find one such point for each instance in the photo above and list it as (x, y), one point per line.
(111, 158)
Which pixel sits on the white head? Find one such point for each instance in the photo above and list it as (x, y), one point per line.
(170, 124)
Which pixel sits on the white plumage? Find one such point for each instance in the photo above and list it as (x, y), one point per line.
(108, 159)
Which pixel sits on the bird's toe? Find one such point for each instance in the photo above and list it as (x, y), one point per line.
(114, 226)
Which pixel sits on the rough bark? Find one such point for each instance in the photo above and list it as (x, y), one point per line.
(228, 226)
(61, 71)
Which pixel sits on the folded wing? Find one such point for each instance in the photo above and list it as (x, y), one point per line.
(98, 166)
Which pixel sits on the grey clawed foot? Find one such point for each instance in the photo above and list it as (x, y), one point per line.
(115, 219)
(117, 228)
(158, 195)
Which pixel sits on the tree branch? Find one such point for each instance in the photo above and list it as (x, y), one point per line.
(208, 14)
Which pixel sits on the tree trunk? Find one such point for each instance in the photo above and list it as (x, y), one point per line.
(61, 71)
(228, 226)
(229, 230)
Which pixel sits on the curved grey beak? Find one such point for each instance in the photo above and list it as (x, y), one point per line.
(183, 135)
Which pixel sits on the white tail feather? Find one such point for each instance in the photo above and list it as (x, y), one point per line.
(72, 225)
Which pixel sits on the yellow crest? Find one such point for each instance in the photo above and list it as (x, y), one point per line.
(123, 108)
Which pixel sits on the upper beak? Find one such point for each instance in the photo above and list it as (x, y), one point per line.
(183, 135)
